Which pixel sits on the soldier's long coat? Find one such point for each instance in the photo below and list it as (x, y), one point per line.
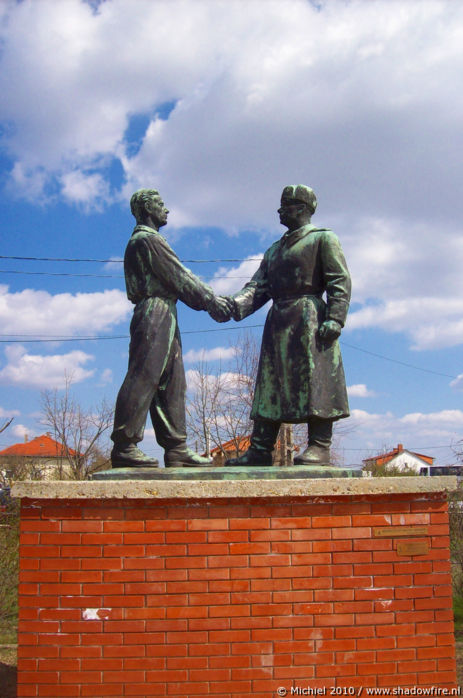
(298, 375)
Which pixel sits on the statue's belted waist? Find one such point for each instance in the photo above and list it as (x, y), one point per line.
(289, 299)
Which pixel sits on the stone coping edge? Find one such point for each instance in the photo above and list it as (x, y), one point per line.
(231, 489)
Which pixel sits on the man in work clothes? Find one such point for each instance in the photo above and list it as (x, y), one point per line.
(155, 381)
(300, 376)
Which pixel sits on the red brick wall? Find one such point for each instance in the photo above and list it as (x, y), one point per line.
(152, 598)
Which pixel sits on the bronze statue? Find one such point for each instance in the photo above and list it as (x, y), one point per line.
(155, 381)
(300, 376)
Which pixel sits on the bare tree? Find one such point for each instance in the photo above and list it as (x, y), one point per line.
(79, 431)
(6, 424)
(219, 404)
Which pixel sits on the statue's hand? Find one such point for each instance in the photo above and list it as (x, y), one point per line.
(329, 330)
(221, 308)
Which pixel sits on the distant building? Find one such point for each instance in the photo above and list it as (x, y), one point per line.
(399, 459)
(41, 458)
(236, 447)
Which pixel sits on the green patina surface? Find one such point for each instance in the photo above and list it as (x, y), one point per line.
(301, 472)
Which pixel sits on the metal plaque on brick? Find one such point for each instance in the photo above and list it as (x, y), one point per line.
(400, 531)
(416, 547)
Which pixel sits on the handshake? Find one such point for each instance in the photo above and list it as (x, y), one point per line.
(222, 308)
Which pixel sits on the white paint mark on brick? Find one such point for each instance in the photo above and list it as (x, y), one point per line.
(95, 613)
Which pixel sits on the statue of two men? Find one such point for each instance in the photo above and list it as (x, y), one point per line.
(300, 376)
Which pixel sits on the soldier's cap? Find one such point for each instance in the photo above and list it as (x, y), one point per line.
(302, 193)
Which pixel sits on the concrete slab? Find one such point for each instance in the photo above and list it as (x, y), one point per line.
(231, 489)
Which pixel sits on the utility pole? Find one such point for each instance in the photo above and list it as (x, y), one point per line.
(286, 444)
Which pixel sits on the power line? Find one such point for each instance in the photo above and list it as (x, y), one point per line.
(121, 261)
(91, 338)
(396, 361)
(60, 338)
(57, 273)
(96, 276)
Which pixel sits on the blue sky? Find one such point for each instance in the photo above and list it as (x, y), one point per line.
(219, 105)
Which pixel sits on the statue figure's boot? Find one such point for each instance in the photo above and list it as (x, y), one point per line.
(263, 439)
(318, 450)
(181, 456)
(126, 454)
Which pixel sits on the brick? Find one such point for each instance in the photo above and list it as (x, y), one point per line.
(413, 641)
(301, 582)
(229, 611)
(332, 571)
(82, 551)
(397, 580)
(352, 632)
(336, 670)
(233, 536)
(123, 526)
(249, 524)
(372, 544)
(413, 593)
(225, 585)
(227, 561)
(92, 563)
(352, 532)
(270, 535)
(151, 538)
(292, 522)
(208, 549)
(371, 520)
(229, 510)
(255, 622)
(269, 584)
(207, 524)
(334, 620)
(124, 551)
(311, 534)
(333, 595)
(172, 525)
(187, 563)
(334, 546)
(81, 526)
(352, 582)
(331, 521)
(253, 572)
(209, 623)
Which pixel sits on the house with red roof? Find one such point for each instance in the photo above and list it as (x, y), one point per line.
(41, 458)
(400, 459)
(239, 445)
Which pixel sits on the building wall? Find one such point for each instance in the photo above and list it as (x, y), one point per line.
(405, 460)
(241, 597)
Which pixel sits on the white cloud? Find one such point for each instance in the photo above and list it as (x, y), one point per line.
(43, 372)
(433, 433)
(20, 431)
(39, 312)
(89, 190)
(226, 380)
(359, 390)
(371, 117)
(106, 377)
(6, 414)
(258, 98)
(445, 417)
(215, 354)
(115, 264)
(457, 384)
(228, 280)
